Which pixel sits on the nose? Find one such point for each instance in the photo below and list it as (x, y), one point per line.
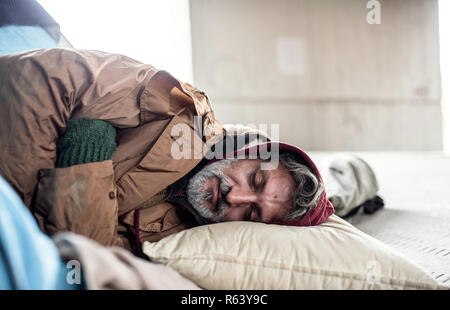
(241, 196)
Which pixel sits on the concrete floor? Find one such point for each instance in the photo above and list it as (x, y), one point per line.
(416, 220)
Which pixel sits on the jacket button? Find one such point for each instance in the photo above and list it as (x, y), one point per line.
(112, 195)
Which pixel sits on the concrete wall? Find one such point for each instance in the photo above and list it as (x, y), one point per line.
(331, 80)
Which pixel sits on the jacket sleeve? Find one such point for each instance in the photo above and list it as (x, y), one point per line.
(80, 199)
(73, 83)
(40, 90)
(93, 84)
(50, 86)
(116, 268)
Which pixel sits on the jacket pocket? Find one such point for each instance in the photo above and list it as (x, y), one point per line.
(81, 199)
(159, 217)
(155, 217)
(157, 221)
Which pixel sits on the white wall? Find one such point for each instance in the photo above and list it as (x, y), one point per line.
(156, 32)
(331, 80)
(444, 45)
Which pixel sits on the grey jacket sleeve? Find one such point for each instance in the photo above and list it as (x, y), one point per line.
(114, 267)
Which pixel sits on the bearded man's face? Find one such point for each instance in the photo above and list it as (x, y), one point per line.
(239, 190)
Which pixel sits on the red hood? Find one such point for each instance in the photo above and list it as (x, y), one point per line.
(313, 217)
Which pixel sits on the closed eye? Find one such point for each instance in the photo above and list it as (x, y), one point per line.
(257, 180)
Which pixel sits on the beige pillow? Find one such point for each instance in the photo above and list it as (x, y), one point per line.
(253, 256)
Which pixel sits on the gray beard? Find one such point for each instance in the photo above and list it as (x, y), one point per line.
(197, 196)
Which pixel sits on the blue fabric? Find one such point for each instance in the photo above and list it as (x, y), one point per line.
(28, 258)
(14, 38)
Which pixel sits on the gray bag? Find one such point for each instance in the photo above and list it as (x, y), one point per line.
(350, 184)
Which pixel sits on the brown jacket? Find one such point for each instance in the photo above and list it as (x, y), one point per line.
(40, 90)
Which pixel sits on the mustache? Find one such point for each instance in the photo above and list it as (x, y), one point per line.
(224, 189)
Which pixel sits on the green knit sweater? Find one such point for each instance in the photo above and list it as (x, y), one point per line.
(86, 141)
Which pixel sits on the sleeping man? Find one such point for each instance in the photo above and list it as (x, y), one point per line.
(119, 152)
